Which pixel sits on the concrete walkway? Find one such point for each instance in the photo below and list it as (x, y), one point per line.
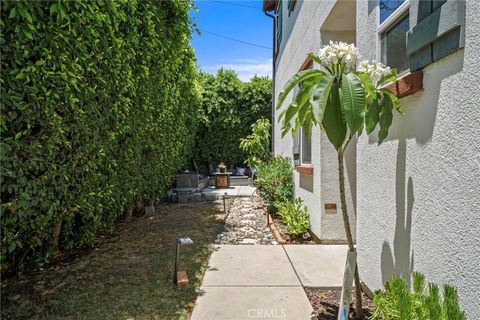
(266, 282)
(238, 191)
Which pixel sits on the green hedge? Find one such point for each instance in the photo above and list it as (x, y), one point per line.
(275, 181)
(229, 108)
(99, 103)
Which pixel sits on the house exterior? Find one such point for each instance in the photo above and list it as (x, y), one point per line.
(414, 200)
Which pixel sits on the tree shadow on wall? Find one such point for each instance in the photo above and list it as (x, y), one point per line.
(399, 259)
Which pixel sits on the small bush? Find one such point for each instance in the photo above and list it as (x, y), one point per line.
(257, 144)
(398, 302)
(275, 180)
(295, 215)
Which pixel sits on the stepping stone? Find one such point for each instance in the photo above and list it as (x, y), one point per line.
(248, 241)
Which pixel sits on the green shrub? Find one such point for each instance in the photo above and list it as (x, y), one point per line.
(275, 180)
(229, 108)
(424, 302)
(295, 215)
(257, 144)
(99, 103)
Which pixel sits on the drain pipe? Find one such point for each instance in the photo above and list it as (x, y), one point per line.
(272, 135)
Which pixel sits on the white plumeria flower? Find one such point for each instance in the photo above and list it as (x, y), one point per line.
(376, 70)
(337, 53)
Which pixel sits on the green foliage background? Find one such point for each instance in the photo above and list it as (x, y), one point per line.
(99, 103)
(229, 108)
(275, 181)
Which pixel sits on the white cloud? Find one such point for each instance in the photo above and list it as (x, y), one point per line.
(245, 68)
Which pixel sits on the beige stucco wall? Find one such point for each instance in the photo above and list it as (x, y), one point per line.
(418, 202)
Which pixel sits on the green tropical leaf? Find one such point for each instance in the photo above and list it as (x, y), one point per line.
(385, 118)
(314, 57)
(367, 83)
(394, 98)
(333, 122)
(392, 77)
(296, 79)
(289, 113)
(308, 124)
(372, 115)
(353, 101)
(319, 96)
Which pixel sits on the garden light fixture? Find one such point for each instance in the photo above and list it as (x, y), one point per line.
(180, 277)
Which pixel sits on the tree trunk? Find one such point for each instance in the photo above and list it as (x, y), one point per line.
(129, 214)
(57, 229)
(348, 231)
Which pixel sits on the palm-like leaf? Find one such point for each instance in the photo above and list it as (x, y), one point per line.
(353, 101)
(295, 80)
(333, 122)
(319, 96)
(372, 115)
(385, 118)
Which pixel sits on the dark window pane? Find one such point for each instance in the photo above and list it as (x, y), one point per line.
(306, 149)
(387, 7)
(394, 45)
(278, 24)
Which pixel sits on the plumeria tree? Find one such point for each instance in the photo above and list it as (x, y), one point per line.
(344, 98)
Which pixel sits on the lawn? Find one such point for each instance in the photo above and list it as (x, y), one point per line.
(127, 276)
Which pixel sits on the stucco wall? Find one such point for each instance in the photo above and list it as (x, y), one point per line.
(301, 34)
(418, 193)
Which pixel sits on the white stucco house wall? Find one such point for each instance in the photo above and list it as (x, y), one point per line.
(415, 199)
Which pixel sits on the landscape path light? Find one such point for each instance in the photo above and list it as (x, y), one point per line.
(180, 277)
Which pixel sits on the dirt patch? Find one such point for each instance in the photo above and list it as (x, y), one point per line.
(128, 275)
(325, 303)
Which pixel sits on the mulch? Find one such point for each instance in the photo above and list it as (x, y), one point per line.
(304, 238)
(325, 303)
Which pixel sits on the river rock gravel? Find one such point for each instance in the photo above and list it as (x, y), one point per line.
(246, 223)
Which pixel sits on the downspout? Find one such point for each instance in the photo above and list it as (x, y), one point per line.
(272, 147)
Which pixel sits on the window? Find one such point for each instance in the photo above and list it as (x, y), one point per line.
(306, 147)
(291, 6)
(394, 25)
(302, 147)
(278, 25)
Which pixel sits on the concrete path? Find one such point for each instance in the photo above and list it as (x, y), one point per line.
(266, 282)
(239, 191)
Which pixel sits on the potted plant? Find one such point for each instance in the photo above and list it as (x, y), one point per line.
(222, 167)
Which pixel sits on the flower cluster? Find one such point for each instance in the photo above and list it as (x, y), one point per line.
(376, 70)
(337, 53)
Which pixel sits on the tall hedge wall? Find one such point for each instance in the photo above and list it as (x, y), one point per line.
(99, 103)
(229, 108)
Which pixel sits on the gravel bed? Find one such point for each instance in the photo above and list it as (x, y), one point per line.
(246, 223)
(325, 303)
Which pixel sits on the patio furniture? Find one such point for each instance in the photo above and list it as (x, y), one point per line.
(222, 179)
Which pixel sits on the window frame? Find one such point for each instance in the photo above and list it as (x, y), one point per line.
(278, 26)
(383, 27)
(303, 138)
(291, 6)
(308, 64)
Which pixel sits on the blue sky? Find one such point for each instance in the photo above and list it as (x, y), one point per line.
(239, 19)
